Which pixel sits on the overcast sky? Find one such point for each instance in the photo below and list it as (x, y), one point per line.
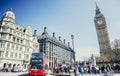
(66, 17)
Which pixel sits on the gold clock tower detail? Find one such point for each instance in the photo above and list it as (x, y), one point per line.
(102, 33)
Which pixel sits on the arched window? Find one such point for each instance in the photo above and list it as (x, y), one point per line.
(9, 65)
(4, 65)
(14, 65)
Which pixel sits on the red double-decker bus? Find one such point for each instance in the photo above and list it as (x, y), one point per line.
(38, 65)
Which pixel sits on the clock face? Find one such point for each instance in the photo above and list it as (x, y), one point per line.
(99, 22)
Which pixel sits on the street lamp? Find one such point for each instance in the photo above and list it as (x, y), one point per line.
(72, 37)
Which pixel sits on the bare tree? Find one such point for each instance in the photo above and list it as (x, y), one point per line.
(115, 44)
(115, 52)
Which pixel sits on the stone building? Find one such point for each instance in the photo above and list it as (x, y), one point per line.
(58, 52)
(16, 42)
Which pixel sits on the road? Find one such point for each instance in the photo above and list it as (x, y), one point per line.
(26, 74)
(13, 74)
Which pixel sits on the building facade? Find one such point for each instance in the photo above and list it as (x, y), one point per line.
(16, 42)
(56, 50)
(102, 32)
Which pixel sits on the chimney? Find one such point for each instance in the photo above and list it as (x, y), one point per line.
(35, 32)
(69, 44)
(45, 32)
(64, 40)
(53, 34)
(59, 38)
(10, 9)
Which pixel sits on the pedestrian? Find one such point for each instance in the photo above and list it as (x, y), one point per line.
(81, 70)
(68, 69)
(93, 69)
(108, 68)
(100, 70)
(74, 71)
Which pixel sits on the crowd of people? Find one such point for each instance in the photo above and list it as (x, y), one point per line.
(76, 69)
(14, 68)
(101, 69)
(106, 69)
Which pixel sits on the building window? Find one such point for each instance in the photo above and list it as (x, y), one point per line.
(9, 37)
(15, 55)
(27, 49)
(16, 47)
(20, 29)
(33, 50)
(20, 48)
(2, 44)
(4, 29)
(21, 41)
(14, 39)
(17, 40)
(3, 36)
(28, 43)
(14, 31)
(6, 55)
(17, 28)
(8, 45)
(1, 53)
(36, 46)
(26, 56)
(10, 30)
(18, 33)
(11, 24)
(11, 55)
(12, 46)
(19, 55)
(6, 23)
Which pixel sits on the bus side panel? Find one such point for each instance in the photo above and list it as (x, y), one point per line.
(36, 72)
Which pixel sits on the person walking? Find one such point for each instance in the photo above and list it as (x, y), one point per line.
(109, 70)
(74, 69)
(100, 70)
(81, 70)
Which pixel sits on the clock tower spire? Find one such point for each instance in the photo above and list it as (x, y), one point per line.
(97, 10)
(102, 32)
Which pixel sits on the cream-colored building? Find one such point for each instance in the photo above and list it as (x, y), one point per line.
(16, 42)
(58, 52)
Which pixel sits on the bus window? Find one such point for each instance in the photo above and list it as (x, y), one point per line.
(33, 67)
(36, 66)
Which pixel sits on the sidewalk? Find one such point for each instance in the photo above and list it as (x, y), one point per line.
(26, 74)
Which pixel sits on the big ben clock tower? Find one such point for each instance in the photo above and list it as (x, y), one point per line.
(102, 33)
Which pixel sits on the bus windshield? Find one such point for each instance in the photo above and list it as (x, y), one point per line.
(36, 63)
(36, 66)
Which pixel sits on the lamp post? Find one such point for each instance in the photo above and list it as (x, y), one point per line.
(72, 37)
